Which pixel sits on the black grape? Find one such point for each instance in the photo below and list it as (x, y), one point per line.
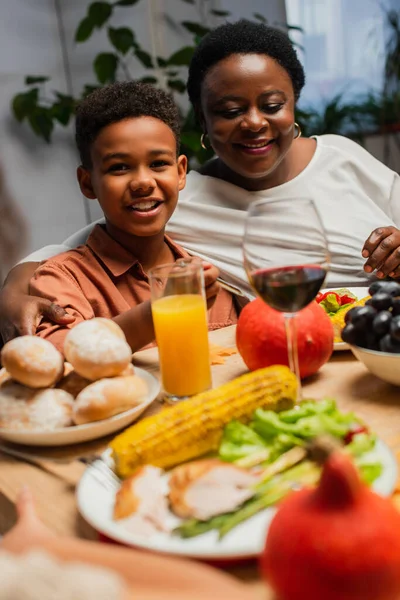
(381, 301)
(396, 306)
(375, 287)
(387, 287)
(395, 329)
(392, 288)
(388, 345)
(350, 334)
(362, 316)
(381, 323)
(371, 341)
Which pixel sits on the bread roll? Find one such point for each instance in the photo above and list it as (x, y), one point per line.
(32, 361)
(130, 370)
(74, 383)
(4, 376)
(108, 397)
(24, 408)
(97, 348)
(68, 368)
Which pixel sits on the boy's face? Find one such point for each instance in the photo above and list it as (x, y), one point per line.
(136, 175)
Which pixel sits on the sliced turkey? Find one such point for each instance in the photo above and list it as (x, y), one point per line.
(142, 497)
(205, 488)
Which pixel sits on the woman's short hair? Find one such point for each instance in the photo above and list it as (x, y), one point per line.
(243, 37)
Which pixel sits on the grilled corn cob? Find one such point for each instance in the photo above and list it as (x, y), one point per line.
(338, 318)
(194, 427)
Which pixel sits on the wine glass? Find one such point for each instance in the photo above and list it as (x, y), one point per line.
(286, 258)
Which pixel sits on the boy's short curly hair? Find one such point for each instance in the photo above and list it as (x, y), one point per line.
(243, 37)
(119, 101)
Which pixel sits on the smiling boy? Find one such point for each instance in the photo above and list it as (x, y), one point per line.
(128, 140)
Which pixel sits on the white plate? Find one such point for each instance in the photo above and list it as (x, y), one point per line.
(360, 292)
(96, 502)
(83, 433)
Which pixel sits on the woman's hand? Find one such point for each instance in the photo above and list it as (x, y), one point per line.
(210, 282)
(29, 531)
(382, 249)
(20, 314)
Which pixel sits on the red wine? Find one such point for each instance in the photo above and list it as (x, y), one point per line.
(288, 289)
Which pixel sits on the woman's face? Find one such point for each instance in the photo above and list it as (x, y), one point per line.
(247, 104)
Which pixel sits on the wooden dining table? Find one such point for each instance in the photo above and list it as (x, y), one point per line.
(53, 483)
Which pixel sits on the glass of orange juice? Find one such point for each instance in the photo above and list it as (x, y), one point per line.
(180, 322)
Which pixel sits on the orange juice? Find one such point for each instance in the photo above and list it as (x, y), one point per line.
(180, 323)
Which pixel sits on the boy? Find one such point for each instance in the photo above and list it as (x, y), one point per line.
(128, 139)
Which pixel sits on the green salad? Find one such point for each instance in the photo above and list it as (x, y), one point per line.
(276, 443)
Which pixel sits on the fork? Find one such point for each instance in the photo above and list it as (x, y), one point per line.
(102, 472)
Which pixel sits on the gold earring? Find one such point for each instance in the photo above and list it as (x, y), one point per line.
(202, 142)
(298, 133)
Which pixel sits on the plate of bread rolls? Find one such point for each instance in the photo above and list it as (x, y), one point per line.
(49, 400)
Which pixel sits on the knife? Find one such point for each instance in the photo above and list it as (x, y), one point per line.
(70, 470)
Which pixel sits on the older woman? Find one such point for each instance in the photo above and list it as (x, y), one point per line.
(244, 82)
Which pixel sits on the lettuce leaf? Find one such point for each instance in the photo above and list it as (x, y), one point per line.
(268, 423)
(238, 441)
(307, 408)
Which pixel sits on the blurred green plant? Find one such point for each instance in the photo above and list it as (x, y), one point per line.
(376, 112)
(372, 113)
(392, 52)
(43, 109)
(334, 116)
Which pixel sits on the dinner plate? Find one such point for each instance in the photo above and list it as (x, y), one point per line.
(360, 292)
(96, 502)
(90, 431)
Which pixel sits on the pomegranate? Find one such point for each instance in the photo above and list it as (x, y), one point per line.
(340, 541)
(261, 338)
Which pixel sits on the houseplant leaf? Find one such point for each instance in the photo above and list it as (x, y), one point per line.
(41, 122)
(99, 13)
(61, 113)
(182, 57)
(161, 62)
(126, 2)
(62, 110)
(144, 58)
(84, 31)
(88, 89)
(23, 104)
(177, 84)
(260, 17)
(220, 13)
(105, 66)
(31, 79)
(122, 38)
(195, 28)
(149, 79)
(191, 139)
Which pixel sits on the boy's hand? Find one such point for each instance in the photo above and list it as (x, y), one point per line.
(211, 284)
